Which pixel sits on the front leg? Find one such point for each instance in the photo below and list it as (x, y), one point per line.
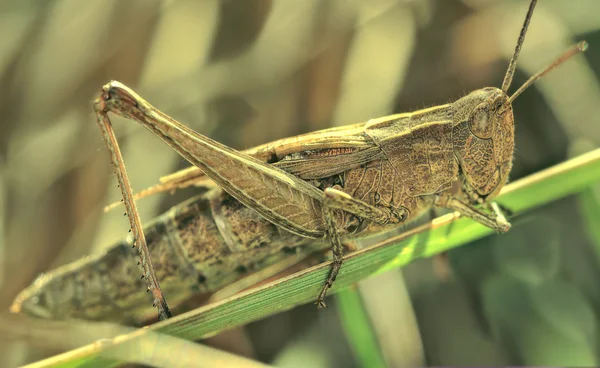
(497, 208)
(495, 220)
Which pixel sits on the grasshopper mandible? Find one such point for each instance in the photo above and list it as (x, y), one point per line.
(347, 181)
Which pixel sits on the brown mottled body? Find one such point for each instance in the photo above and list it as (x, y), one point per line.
(199, 246)
(195, 245)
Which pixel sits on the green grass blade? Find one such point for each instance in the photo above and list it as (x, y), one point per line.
(589, 201)
(441, 235)
(358, 329)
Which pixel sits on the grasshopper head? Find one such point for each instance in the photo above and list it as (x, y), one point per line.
(483, 126)
(483, 129)
(483, 140)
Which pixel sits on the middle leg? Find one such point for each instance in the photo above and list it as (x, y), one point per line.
(336, 199)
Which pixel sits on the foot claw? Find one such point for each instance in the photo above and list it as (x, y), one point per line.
(503, 226)
(320, 304)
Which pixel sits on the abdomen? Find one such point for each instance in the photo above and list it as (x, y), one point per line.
(198, 246)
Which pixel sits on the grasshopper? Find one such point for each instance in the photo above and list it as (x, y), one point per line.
(316, 188)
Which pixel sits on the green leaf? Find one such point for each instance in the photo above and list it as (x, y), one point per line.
(438, 236)
(546, 325)
(515, 254)
(564, 306)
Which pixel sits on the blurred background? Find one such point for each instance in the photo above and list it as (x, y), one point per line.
(248, 72)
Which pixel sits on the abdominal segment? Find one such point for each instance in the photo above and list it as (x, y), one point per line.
(199, 246)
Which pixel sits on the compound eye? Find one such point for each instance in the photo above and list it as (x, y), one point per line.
(498, 105)
(480, 122)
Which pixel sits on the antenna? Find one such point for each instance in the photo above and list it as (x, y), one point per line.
(574, 50)
(513, 61)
